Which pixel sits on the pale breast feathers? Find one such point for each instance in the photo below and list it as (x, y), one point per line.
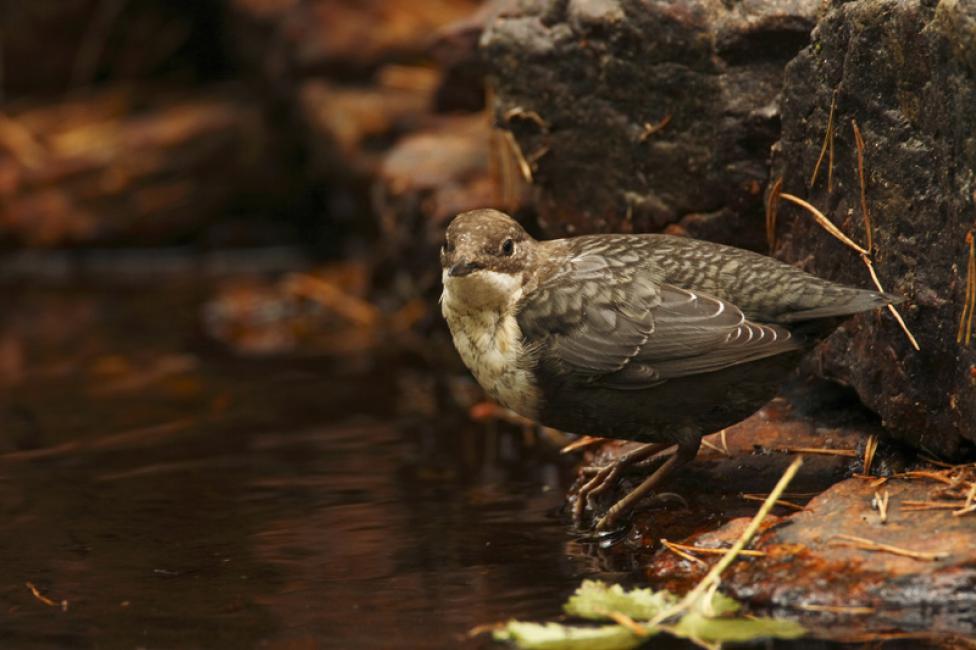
(491, 346)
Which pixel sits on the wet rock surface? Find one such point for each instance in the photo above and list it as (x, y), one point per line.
(637, 116)
(812, 571)
(810, 562)
(905, 72)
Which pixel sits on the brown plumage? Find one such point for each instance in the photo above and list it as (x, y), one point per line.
(651, 338)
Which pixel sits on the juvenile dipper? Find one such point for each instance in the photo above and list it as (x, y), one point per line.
(651, 338)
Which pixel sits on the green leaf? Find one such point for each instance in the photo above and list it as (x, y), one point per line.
(593, 599)
(698, 626)
(723, 605)
(553, 636)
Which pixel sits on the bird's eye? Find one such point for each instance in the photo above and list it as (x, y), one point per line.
(508, 247)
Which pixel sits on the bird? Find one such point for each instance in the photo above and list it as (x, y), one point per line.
(652, 338)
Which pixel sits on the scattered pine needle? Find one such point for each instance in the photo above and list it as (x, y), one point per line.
(825, 223)
(970, 505)
(724, 449)
(41, 597)
(674, 548)
(780, 502)
(828, 144)
(711, 551)
(772, 209)
(818, 451)
(964, 511)
(934, 476)
(894, 310)
(44, 599)
(712, 579)
(581, 443)
(965, 333)
(651, 129)
(865, 544)
(516, 151)
(837, 609)
(881, 500)
(859, 143)
(828, 225)
(870, 447)
(876, 481)
(914, 505)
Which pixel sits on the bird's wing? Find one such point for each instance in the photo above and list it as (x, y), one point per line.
(614, 324)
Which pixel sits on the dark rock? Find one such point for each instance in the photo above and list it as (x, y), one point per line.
(906, 72)
(584, 84)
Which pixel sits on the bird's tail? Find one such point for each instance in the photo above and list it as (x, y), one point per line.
(848, 302)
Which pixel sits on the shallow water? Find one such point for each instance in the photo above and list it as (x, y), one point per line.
(173, 497)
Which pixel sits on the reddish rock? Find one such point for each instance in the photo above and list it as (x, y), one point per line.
(118, 165)
(351, 127)
(289, 40)
(808, 567)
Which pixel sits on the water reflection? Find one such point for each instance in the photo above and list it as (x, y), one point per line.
(175, 498)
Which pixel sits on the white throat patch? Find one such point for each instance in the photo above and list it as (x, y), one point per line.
(482, 289)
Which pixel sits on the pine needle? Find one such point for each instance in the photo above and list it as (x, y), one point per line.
(870, 447)
(825, 223)
(772, 209)
(828, 144)
(859, 143)
(870, 545)
(965, 333)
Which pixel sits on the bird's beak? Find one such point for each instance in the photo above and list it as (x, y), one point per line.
(463, 268)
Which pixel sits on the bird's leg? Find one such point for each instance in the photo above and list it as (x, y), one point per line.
(606, 475)
(686, 453)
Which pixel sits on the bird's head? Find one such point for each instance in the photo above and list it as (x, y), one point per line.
(485, 257)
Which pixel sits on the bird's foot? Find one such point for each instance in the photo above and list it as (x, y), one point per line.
(605, 477)
(621, 507)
